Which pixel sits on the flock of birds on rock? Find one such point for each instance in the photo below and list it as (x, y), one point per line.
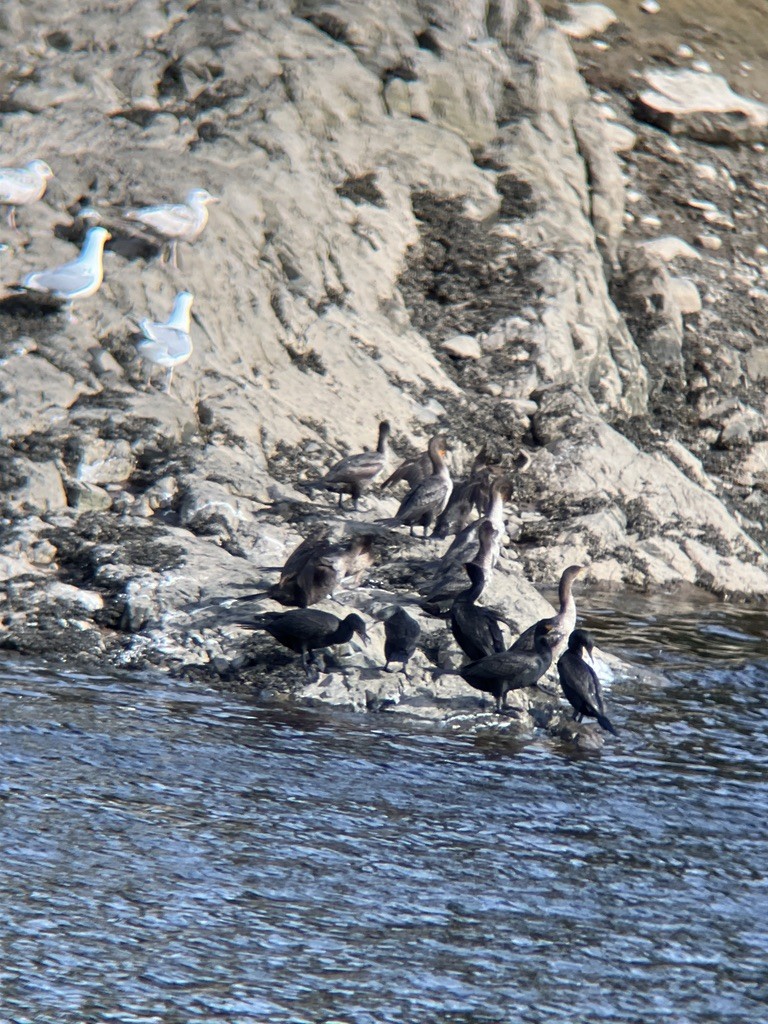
(318, 566)
(472, 511)
(168, 343)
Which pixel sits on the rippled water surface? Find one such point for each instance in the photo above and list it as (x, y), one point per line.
(175, 854)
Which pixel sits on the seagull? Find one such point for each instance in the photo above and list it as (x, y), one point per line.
(77, 279)
(176, 222)
(168, 344)
(22, 185)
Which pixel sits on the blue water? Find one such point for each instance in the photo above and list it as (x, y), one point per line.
(175, 854)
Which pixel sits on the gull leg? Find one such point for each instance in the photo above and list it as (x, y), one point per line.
(12, 218)
(168, 380)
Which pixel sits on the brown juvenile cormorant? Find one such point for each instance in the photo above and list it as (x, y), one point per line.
(318, 567)
(475, 630)
(448, 582)
(401, 633)
(306, 630)
(352, 474)
(412, 471)
(579, 681)
(464, 546)
(422, 505)
(562, 623)
(510, 670)
(468, 496)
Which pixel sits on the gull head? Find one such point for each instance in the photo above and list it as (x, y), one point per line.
(41, 168)
(201, 197)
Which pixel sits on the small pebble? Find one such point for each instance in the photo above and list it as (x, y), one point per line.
(650, 6)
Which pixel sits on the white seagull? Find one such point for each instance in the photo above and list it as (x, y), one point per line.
(77, 279)
(22, 185)
(176, 222)
(168, 344)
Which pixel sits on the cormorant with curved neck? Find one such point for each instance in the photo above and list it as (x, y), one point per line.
(306, 630)
(579, 681)
(401, 633)
(562, 623)
(422, 505)
(476, 630)
(351, 475)
(510, 670)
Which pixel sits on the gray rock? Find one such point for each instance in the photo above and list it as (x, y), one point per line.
(702, 106)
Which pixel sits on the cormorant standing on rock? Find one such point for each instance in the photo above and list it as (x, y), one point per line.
(422, 505)
(468, 496)
(306, 630)
(464, 546)
(352, 474)
(412, 471)
(562, 623)
(579, 681)
(448, 582)
(510, 670)
(401, 633)
(318, 567)
(475, 630)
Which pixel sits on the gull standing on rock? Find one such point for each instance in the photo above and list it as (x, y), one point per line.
(22, 185)
(176, 222)
(77, 279)
(168, 344)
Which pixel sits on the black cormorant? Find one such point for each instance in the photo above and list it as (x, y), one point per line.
(401, 633)
(476, 630)
(579, 681)
(510, 670)
(306, 630)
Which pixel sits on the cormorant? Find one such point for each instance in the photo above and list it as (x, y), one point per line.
(306, 630)
(475, 630)
(579, 681)
(318, 567)
(422, 505)
(468, 496)
(352, 474)
(401, 633)
(412, 471)
(510, 670)
(448, 582)
(464, 546)
(562, 623)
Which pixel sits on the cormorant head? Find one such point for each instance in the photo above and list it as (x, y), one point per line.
(358, 626)
(579, 639)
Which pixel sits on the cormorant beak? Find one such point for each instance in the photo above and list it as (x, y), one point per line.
(365, 638)
(589, 654)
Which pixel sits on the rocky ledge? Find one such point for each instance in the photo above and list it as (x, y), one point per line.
(423, 219)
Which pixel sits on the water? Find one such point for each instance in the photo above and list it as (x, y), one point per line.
(173, 854)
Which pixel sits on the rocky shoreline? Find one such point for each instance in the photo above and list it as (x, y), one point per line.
(427, 216)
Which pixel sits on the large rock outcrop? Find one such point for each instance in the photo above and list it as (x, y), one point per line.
(391, 176)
